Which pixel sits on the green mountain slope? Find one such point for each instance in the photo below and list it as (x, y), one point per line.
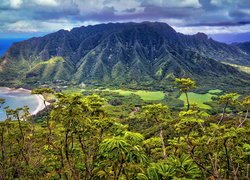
(123, 53)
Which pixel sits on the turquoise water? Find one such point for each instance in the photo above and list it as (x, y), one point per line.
(17, 98)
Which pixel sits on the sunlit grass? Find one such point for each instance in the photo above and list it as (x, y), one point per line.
(245, 69)
(145, 95)
(200, 99)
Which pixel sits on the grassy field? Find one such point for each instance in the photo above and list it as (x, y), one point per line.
(245, 69)
(214, 91)
(194, 98)
(145, 95)
(200, 99)
(73, 90)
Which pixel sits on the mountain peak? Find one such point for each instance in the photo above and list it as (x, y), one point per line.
(201, 36)
(122, 53)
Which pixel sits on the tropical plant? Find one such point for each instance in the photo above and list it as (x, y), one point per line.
(185, 84)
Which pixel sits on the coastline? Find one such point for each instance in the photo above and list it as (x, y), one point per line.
(40, 106)
(39, 98)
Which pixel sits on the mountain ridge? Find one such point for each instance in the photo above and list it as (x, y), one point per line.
(121, 53)
(245, 46)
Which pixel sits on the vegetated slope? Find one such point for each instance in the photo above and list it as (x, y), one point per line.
(129, 53)
(245, 46)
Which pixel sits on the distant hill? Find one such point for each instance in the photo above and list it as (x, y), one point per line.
(123, 53)
(230, 38)
(245, 46)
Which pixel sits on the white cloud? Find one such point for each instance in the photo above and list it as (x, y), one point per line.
(247, 11)
(51, 15)
(223, 2)
(92, 6)
(33, 26)
(213, 29)
(172, 21)
(21, 26)
(182, 3)
(46, 2)
(16, 3)
(174, 3)
(120, 5)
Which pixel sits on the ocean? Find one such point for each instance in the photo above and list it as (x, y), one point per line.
(18, 98)
(5, 43)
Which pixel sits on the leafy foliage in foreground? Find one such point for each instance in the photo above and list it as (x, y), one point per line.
(79, 140)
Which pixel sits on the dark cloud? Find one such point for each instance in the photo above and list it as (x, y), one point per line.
(165, 12)
(131, 10)
(239, 14)
(206, 4)
(240, 23)
(49, 15)
(39, 14)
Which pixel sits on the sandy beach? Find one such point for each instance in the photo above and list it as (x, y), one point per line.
(39, 98)
(41, 106)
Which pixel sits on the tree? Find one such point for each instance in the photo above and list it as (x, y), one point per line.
(185, 84)
(41, 92)
(83, 126)
(122, 154)
(227, 100)
(2, 101)
(157, 113)
(157, 171)
(246, 106)
(174, 167)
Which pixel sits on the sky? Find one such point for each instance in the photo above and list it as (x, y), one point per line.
(21, 18)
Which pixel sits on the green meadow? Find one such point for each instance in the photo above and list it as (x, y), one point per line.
(200, 99)
(145, 95)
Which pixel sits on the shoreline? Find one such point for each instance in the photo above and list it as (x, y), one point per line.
(39, 98)
(41, 106)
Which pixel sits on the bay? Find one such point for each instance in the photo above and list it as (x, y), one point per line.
(15, 98)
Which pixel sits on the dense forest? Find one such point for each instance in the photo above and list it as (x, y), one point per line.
(76, 137)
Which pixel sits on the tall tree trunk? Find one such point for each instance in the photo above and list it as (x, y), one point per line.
(3, 152)
(120, 170)
(48, 123)
(228, 161)
(247, 176)
(163, 144)
(246, 116)
(188, 104)
(45, 105)
(19, 125)
(223, 113)
(66, 145)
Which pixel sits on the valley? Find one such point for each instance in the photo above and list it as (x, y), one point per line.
(201, 99)
(125, 101)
